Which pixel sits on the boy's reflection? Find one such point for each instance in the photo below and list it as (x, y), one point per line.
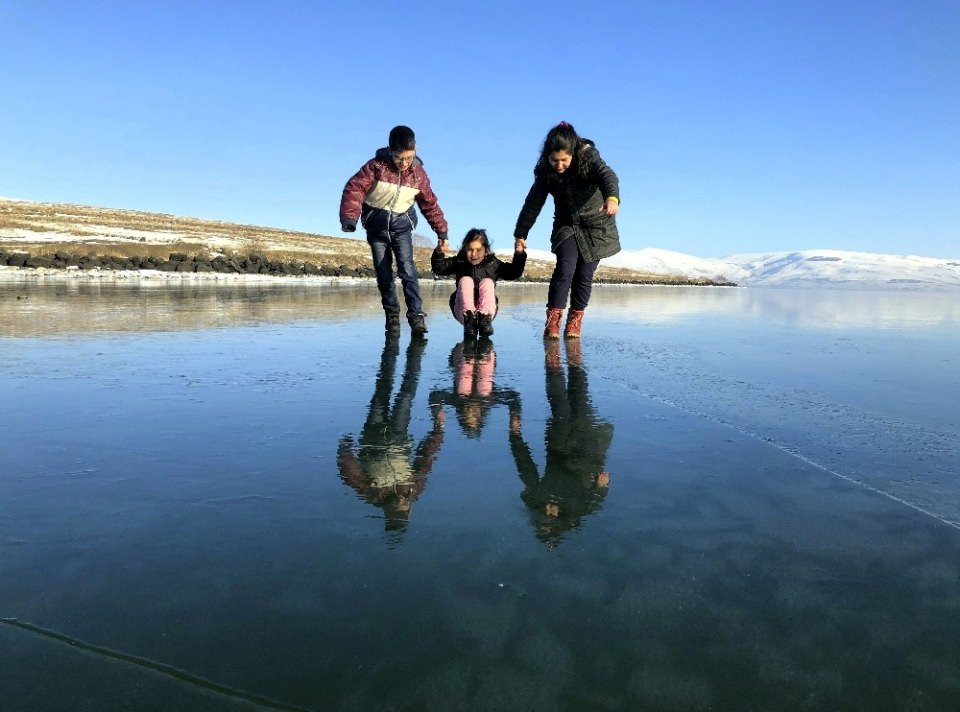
(474, 394)
(384, 468)
(575, 480)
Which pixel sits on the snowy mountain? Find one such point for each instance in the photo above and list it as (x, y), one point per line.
(804, 268)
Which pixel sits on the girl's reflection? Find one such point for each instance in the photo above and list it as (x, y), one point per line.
(574, 481)
(384, 468)
(474, 394)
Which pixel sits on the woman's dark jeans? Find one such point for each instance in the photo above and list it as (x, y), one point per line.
(571, 273)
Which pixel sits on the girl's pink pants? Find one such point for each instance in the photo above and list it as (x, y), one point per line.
(485, 301)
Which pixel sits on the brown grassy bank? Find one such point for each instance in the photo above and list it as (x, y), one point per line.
(60, 235)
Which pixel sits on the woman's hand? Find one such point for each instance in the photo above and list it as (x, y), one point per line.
(519, 244)
(611, 206)
(442, 245)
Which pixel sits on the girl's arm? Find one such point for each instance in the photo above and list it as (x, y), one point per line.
(440, 264)
(513, 270)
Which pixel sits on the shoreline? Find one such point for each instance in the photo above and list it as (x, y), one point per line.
(21, 275)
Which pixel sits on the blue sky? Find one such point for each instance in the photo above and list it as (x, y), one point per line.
(734, 126)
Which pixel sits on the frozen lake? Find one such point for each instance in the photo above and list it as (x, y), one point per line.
(246, 497)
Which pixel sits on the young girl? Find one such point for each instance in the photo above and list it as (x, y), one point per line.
(477, 269)
(586, 196)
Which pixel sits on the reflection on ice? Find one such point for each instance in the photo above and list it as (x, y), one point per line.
(574, 479)
(383, 466)
(802, 308)
(475, 391)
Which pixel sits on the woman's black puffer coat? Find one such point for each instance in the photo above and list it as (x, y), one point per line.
(578, 196)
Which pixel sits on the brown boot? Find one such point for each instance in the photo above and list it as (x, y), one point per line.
(552, 329)
(551, 355)
(574, 322)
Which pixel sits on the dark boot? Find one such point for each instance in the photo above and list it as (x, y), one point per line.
(552, 328)
(393, 322)
(574, 324)
(417, 324)
(469, 325)
(485, 324)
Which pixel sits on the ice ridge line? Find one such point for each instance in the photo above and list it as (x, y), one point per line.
(793, 452)
(153, 666)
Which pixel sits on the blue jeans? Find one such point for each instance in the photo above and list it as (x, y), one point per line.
(384, 245)
(571, 272)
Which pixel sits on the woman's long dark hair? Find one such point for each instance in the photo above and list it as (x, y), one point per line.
(563, 137)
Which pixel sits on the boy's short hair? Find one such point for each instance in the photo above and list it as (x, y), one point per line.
(402, 138)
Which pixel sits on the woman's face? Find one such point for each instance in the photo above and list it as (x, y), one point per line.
(560, 160)
(475, 252)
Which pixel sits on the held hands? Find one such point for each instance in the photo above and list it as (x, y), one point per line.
(443, 244)
(611, 206)
(519, 245)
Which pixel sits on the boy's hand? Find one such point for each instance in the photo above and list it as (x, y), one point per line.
(442, 244)
(348, 226)
(519, 245)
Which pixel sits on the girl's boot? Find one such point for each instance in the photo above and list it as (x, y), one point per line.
(552, 328)
(469, 325)
(574, 322)
(484, 324)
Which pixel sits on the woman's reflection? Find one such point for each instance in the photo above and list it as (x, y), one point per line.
(474, 393)
(574, 480)
(384, 467)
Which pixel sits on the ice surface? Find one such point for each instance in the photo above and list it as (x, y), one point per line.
(723, 499)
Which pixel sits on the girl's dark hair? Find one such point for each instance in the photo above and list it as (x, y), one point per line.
(474, 234)
(402, 138)
(563, 137)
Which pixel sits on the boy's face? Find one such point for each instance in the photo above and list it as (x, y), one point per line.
(403, 159)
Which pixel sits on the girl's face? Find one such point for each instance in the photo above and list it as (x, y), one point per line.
(560, 160)
(475, 252)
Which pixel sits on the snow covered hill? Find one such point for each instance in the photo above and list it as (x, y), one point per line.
(804, 268)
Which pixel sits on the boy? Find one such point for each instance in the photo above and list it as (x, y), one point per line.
(381, 195)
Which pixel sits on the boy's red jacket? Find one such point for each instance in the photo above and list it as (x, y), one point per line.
(383, 198)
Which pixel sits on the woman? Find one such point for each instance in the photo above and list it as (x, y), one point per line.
(586, 197)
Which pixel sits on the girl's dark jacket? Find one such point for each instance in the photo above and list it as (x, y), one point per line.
(578, 194)
(491, 266)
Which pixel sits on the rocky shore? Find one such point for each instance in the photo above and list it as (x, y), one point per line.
(40, 238)
(180, 262)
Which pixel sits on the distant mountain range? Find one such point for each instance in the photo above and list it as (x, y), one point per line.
(804, 268)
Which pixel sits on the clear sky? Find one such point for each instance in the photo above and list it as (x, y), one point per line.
(734, 126)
